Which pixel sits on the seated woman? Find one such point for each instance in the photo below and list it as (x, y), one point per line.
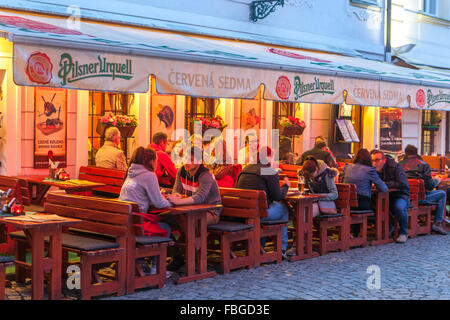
(261, 176)
(319, 179)
(362, 174)
(141, 186)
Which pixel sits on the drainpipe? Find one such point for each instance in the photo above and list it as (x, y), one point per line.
(388, 18)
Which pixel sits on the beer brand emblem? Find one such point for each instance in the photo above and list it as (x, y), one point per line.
(39, 68)
(420, 98)
(283, 87)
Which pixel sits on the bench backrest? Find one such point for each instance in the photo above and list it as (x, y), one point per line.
(99, 215)
(415, 186)
(346, 196)
(111, 177)
(437, 163)
(19, 189)
(243, 203)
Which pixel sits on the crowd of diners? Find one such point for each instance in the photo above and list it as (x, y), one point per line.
(157, 180)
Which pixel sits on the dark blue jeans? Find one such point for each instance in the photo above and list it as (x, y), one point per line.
(438, 196)
(397, 206)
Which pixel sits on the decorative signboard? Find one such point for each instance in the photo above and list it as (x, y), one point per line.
(163, 113)
(50, 127)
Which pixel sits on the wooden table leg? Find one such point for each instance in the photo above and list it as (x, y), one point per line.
(37, 257)
(304, 222)
(382, 219)
(55, 254)
(194, 244)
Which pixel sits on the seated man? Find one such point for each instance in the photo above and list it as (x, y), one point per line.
(165, 169)
(394, 177)
(198, 185)
(319, 152)
(416, 168)
(196, 182)
(109, 155)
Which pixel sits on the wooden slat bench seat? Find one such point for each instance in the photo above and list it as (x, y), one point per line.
(111, 177)
(5, 261)
(424, 213)
(291, 171)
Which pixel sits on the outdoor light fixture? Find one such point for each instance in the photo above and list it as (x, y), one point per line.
(262, 8)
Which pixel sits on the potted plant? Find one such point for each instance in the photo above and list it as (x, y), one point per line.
(125, 123)
(211, 123)
(292, 126)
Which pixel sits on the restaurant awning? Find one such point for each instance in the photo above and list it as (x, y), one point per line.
(103, 57)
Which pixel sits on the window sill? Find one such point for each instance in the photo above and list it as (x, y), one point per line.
(427, 18)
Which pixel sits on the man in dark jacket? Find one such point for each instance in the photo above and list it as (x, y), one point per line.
(319, 152)
(395, 178)
(416, 168)
(261, 176)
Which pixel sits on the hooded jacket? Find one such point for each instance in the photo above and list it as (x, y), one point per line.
(262, 177)
(323, 182)
(416, 168)
(394, 176)
(202, 186)
(141, 186)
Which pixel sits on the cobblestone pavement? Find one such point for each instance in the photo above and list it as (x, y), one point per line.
(419, 269)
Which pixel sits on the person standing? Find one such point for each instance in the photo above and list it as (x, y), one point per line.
(394, 177)
(416, 168)
(165, 169)
(109, 155)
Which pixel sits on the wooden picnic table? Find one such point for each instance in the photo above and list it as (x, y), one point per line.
(36, 232)
(303, 224)
(190, 218)
(43, 184)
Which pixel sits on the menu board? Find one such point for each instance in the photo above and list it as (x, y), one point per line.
(344, 130)
(351, 130)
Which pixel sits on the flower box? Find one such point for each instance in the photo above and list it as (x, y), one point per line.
(292, 130)
(125, 131)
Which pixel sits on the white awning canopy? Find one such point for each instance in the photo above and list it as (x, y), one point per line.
(103, 57)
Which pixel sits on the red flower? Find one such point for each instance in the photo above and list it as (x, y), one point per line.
(50, 155)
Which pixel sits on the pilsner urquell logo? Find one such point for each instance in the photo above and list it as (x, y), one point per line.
(74, 71)
(302, 89)
(437, 98)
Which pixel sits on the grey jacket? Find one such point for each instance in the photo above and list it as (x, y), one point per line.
(141, 186)
(363, 177)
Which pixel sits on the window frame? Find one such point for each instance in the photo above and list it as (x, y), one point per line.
(426, 4)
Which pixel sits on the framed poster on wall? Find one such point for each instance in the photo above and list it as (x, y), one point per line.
(391, 129)
(163, 113)
(50, 126)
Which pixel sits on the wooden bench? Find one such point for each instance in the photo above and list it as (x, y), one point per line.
(111, 177)
(20, 191)
(110, 233)
(236, 226)
(262, 229)
(357, 217)
(19, 188)
(424, 213)
(5, 261)
(291, 171)
(437, 163)
(336, 223)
